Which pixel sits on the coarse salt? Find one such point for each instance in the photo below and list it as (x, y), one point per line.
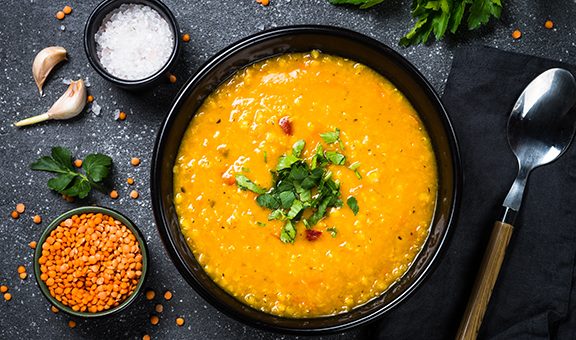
(134, 42)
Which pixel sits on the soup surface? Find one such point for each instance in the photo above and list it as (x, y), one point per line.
(355, 251)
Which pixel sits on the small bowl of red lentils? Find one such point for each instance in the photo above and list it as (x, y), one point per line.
(91, 262)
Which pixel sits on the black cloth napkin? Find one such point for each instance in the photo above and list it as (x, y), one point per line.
(535, 295)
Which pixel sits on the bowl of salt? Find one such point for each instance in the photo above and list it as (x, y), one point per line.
(132, 43)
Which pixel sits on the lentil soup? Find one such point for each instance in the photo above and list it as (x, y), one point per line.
(384, 185)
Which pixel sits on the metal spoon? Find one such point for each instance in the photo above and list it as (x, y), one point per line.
(540, 128)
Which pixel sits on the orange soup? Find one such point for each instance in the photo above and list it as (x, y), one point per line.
(305, 185)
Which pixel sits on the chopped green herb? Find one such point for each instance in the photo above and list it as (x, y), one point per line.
(286, 199)
(331, 136)
(288, 233)
(335, 157)
(244, 169)
(354, 166)
(295, 209)
(268, 201)
(362, 3)
(68, 181)
(245, 184)
(260, 224)
(333, 231)
(298, 147)
(353, 204)
(265, 157)
(277, 214)
(286, 162)
(437, 17)
(300, 186)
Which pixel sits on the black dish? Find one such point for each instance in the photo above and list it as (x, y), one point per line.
(94, 22)
(329, 40)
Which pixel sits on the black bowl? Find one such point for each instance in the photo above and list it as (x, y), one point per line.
(338, 42)
(95, 21)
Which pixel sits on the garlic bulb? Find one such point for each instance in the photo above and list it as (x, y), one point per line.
(44, 63)
(69, 105)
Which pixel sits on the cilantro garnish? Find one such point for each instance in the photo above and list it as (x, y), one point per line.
(300, 186)
(70, 182)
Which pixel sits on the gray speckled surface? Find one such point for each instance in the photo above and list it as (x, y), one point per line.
(28, 26)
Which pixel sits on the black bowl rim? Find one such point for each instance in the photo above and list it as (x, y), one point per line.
(93, 58)
(213, 62)
(85, 210)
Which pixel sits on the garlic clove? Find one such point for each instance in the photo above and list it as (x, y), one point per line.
(69, 105)
(44, 63)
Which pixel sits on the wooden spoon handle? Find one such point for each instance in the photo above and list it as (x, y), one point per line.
(485, 281)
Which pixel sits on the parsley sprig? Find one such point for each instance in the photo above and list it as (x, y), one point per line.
(300, 185)
(439, 16)
(68, 181)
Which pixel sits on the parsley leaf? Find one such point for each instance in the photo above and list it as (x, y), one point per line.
(362, 3)
(69, 181)
(298, 147)
(319, 213)
(97, 166)
(286, 161)
(354, 167)
(335, 157)
(245, 184)
(295, 209)
(331, 137)
(439, 16)
(63, 157)
(268, 201)
(61, 182)
(481, 11)
(353, 204)
(286, 199)
(277, 214)
(288, 233)
(80, 188)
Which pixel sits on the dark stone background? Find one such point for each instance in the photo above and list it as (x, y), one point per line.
(27, 26)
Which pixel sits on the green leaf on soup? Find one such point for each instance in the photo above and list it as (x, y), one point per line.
(246, 184)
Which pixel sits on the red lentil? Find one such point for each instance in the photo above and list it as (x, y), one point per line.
(150, 294)
(134, 194)
(20, 208)
(154, 320)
